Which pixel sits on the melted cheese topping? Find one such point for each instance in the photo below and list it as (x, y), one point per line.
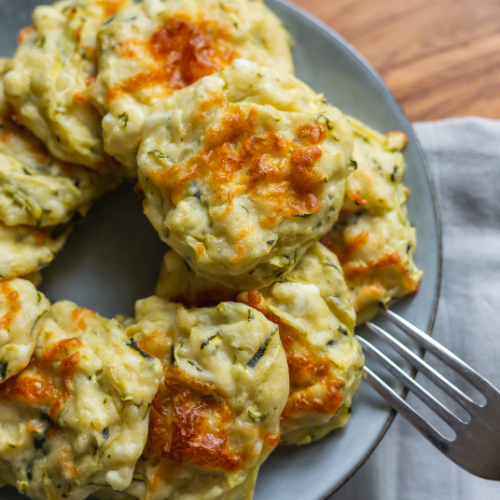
(22, 312)
(24, 249)
(152, 50)
(243, 171)
(181, 52)
(35, 188)
(216, 416)
(81, 406)
(316, 319)
(197, 432)
(373, 239)
(238, 160)
(52, 69)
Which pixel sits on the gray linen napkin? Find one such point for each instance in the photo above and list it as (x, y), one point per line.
(464, 159)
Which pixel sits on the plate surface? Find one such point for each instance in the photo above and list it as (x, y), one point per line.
(114, 259)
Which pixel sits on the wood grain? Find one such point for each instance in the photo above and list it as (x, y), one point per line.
(441, 58)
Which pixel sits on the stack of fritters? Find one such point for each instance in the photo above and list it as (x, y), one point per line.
(243, 169)
(40, 196)
(76, 418)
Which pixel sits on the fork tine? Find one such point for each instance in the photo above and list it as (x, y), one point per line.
(400, 405)
(417, 389)
(454, 392)
(429, 344)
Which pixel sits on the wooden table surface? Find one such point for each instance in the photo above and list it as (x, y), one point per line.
(441, 58)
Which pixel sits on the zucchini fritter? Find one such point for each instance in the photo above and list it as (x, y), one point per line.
(35, 188)
(243, 171)
(373, 238)
(216, 416)
(76, 418)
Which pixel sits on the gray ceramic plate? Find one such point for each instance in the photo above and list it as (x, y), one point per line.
(114, 259)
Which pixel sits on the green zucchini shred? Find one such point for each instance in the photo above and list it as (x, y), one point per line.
(159, 154)
(29, 469)
(343, 330)
(198, 367)
(262, 349)
(3, 369)
(133, 345)
(124, 118)
(331, 264)
(327, 121)
(394, 172)
(172, 355)
(36, 320)
(39, 440)
(256, 416)
(208, 340)
(109, 20)
(40, 41)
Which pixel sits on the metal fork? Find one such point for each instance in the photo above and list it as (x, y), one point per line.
(476, 447)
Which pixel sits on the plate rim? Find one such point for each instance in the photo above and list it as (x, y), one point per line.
(437, 290)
